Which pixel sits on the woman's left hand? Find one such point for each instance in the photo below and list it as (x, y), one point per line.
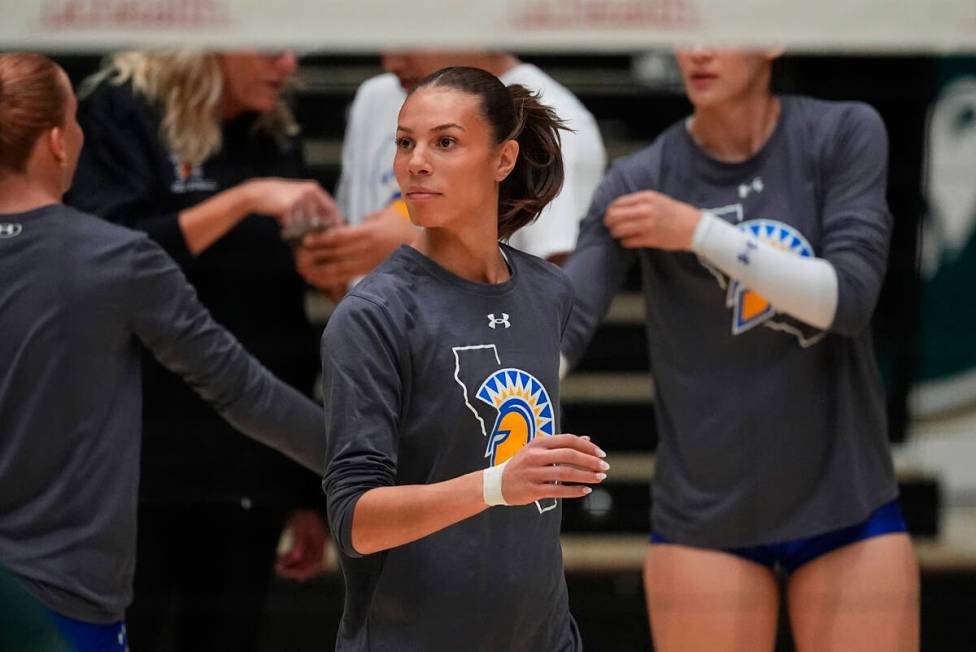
(652, 220)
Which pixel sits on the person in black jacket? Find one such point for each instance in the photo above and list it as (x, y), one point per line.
(198, 150)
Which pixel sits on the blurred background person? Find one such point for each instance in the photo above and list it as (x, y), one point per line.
(200, 151)
(762, 230)
(79, 295)
(369, 197)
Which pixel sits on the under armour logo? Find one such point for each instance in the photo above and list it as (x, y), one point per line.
(744, 256)
(492, 322)
(756, 185)
(10, 230)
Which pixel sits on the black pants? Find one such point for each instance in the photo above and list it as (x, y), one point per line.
(202, 574)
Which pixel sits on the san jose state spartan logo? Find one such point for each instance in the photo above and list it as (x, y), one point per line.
(524, 412)
(751, 309)
(516, 400)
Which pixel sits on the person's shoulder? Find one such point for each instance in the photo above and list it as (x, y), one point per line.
(389, 283)
(533, 78)
(553, 93)
(374, 305)
(379, 89)
(84, 227)
(582, 143)
(111, 100)
(540, 273)
(376, 103)
(827, 117)
(642, 167)
(92, 247)
(357, 304)
(813, 107)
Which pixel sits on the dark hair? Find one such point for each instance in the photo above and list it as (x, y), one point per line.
(514, 113)
(32, 99)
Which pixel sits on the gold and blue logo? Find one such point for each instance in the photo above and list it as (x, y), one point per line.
(750, 309)
(524, 412)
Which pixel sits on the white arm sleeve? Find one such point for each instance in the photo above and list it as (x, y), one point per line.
(804, 288)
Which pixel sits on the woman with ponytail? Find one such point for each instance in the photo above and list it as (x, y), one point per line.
(199, 150)
(444, 470)
(80, 299)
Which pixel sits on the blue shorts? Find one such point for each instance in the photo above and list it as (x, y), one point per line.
(790, 555)
(90, 637)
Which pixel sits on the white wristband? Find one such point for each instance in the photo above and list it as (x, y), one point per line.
(492, 488)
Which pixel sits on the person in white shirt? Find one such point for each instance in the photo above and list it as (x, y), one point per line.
(368, 195)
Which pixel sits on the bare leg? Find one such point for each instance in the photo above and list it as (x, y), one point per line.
(709, 601)
(863, 597)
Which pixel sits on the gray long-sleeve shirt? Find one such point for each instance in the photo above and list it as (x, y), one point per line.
(769, 429)
(427, 377)
(77, 296)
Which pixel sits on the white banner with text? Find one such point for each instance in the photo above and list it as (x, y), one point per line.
(883, 26)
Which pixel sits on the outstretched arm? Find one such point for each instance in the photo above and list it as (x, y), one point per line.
(169, 319)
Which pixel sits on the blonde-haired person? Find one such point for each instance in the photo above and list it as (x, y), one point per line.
(199, 150)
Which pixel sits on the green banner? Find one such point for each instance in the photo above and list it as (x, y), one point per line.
(947, 320)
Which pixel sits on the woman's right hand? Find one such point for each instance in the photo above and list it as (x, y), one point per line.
(287, 200)
(538, 470)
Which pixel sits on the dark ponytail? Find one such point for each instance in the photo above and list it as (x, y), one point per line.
(538, 174)
(514, 113)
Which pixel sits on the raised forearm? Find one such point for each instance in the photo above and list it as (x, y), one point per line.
(803, 287)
